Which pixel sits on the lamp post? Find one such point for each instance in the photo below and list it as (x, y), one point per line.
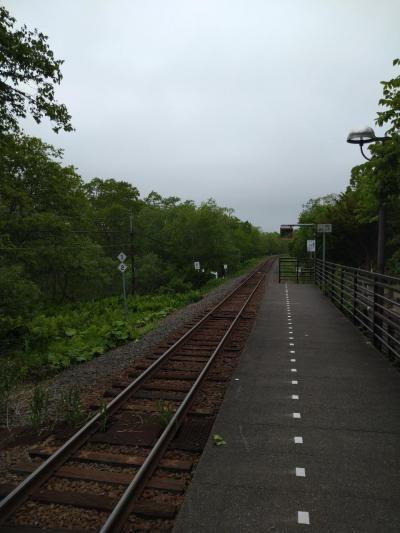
(361, 136)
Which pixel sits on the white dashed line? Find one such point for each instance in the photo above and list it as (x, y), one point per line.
(292, 351)
(291, 343)
(295, 396)
(303, 517)
(293, 360)
(300, 472)
(298, 440)
(296, 415)
(293, 369)
(294, 382)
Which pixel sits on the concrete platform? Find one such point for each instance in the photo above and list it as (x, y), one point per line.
(347, 400)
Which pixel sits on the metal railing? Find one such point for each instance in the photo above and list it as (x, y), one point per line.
(296, 270)
(372, 301)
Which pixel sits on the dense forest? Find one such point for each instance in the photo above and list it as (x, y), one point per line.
(354, 213)
(60, 236)
(60, 288)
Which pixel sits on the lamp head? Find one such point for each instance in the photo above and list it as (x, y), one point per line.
(361, 136)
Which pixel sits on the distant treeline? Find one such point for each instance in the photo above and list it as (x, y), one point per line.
(60, 236)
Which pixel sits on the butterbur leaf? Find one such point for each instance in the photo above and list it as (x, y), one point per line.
(70, 332)
(218, 440)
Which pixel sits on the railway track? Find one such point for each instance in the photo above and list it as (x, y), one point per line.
(128, 467)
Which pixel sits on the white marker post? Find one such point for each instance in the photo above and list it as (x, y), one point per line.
(324, 228)
(123, 268)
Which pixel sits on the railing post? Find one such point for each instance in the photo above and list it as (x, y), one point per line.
(329, 281)
(279, 270)
(355, 296)
(376, 321)
(341, 287)
(297, 271)
(390, 329)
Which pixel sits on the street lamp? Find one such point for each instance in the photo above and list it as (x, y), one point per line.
(363, 136)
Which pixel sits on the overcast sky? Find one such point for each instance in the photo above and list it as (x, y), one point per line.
(245, 101)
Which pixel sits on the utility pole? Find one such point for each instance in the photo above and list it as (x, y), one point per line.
(132, 253)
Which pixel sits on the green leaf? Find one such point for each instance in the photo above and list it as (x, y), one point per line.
(218, 440)
(70, 332)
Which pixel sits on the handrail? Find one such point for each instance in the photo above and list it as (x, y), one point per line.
(370, 299)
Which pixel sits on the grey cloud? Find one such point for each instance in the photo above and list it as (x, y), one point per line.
(247, 102)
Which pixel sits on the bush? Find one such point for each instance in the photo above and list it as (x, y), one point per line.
(18, 298)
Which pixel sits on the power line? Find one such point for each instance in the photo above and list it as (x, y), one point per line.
(73, 217)
(47, 244)
(48, 232)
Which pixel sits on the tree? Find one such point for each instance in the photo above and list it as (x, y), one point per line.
(390, 100)
(26, 64)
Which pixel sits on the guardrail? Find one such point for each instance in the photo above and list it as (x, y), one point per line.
(372, 301)
(296, 270)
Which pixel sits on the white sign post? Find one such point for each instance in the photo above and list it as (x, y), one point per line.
(123, 268)
(324, 229)
(197, 265)
(311, 245)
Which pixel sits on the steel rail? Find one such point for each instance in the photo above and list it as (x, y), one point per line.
(18, 496)
(119, 515)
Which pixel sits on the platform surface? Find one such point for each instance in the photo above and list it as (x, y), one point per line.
(345, 475)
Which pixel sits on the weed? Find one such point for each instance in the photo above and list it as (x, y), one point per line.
(70, 408)
(165, 412)
(10, 377)
(103, 418)
(38, 407)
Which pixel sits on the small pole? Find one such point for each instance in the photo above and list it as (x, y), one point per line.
(124, 292)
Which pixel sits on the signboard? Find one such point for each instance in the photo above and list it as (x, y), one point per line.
(225, 267)
(122, 267)
(324, 228)
(122, 257)
(286, 232)
(311, 245)
(197, 265)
